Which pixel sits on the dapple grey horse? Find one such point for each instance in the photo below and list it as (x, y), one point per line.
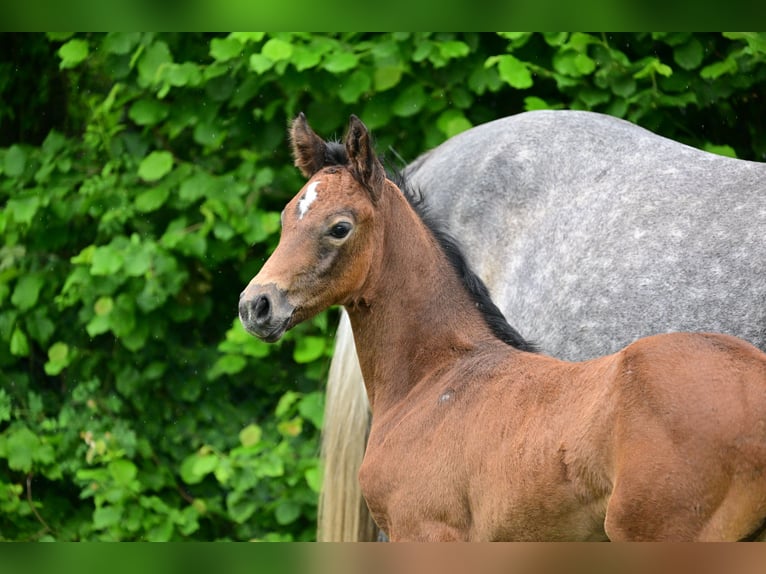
(590, 232)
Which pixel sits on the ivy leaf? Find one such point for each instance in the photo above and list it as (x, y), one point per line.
(155, 166)
(58, 358)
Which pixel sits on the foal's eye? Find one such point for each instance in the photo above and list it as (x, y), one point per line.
(340, 230)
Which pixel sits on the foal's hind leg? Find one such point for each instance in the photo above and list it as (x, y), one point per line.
(659, 496)
(674, 502)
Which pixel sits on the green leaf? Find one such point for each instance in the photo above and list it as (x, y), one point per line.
(453, 49)
(723, 150)
(313, 478)
(73, 53)
(240, 507)
(151, 199)
(311, 407)
(410, 101)
(58, 358)
(103, 305)
(155, 166)
(106, 516)
(148, 112)
(123, 471)
(153, 59)
(718, 69)
(535, 103)
(260, 63)
(285, 402)
(227, 365)
(121, 43)
(197, 466)
(247, 37)
(5, 406)
(452, 122)
(27, 291)
(106, 260)
(137, 261)
(39, 326)
(23, 209)
(15, 161)
(386, 77)
(287, 512)
(652, 66)
(584, 64)
(354, 86)
(308, 348)
(250, 435)
(689, 55)
(225, 49)
(19, 345)
(305, 58)
(340, 62)
(276, 49)
(513, 71)
(20, 446)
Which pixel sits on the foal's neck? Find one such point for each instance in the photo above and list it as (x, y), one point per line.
(414, 316)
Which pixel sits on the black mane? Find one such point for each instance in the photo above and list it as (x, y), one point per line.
(335, 154)
(476, 288)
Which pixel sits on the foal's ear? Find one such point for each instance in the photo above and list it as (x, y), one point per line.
(309, 150)
(362, 161)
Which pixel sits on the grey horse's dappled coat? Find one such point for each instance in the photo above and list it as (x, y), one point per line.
(591, 231)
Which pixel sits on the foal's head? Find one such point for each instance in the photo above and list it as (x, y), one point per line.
(328, 233)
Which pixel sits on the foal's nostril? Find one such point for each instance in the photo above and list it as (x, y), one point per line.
(262, 308)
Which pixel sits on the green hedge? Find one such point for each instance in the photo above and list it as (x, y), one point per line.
(141, 181)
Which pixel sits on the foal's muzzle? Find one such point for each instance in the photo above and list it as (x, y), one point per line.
(265, 312)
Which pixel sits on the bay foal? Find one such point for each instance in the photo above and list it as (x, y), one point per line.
(474, 437)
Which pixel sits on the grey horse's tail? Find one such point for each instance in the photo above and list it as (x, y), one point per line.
(343, 514)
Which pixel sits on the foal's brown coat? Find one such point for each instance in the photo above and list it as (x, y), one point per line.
(473, 439)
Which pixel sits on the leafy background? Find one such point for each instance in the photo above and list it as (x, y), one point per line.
(141, 180)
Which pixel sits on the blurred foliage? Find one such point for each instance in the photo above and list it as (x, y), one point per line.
(141, 180)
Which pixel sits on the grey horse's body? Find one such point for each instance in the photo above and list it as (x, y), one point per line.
(590, 232)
